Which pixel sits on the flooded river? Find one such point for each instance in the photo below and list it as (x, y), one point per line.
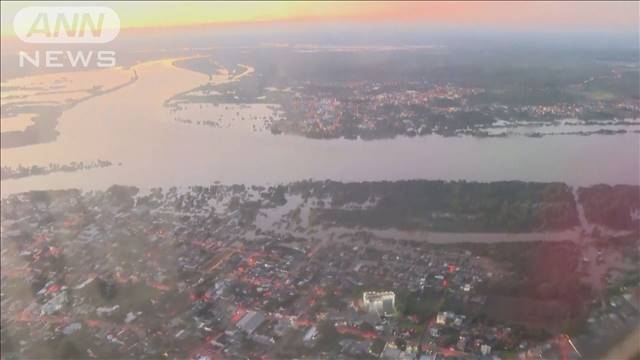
(132, 126)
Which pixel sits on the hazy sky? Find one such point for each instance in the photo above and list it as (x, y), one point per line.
(591, 16)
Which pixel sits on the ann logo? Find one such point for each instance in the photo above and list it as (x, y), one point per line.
(76, 27)
(65, 25)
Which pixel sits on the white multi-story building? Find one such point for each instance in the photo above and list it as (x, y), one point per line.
(382, 303)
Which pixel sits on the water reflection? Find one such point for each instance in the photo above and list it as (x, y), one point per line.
(132, 126)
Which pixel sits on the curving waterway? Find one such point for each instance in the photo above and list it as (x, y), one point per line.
(132, 126)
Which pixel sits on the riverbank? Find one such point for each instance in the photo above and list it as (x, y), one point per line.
(133, 126)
